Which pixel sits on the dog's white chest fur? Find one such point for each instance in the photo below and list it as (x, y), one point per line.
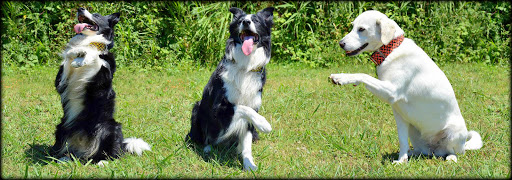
(77, 78)
(242, 86)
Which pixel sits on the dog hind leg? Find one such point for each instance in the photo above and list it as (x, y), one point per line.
(455, 144)
(420, 146)
(107, 142)
(60, 140)
(196, 127)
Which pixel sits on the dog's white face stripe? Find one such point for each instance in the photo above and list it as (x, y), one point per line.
(87, 14)
(86, 31)
(251, 25)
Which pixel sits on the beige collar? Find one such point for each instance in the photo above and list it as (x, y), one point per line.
(258, 69)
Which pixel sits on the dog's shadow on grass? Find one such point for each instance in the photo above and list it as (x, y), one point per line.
(223, 155)
(38, 154)
(390, 157)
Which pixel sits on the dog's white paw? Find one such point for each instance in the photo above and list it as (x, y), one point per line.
(207, 149)
(399, 162)
(262, 124)
(102, 163)
(451, 157)
(78, 62)
(402, 160)
(249, 164)
(342, 79)
(64, 159)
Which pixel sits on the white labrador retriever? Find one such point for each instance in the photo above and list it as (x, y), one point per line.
(422, 98)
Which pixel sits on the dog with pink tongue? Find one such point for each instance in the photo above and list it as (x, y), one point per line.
(227, 114)
(87, 129)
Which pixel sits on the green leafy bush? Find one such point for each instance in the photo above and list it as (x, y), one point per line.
(166, 33)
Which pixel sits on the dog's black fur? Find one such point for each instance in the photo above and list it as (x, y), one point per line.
(213, 114)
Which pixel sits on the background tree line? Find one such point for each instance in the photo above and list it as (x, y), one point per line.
(165, 33)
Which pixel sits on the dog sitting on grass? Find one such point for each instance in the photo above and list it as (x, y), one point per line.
(84, 81)
(228, 110)
(423, 101)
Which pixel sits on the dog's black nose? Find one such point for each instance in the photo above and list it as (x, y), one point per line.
(246, 22)
(342, 44)
(81, 9)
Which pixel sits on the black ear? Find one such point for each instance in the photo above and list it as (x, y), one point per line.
(236, 12)
(113, 19)
(267, 14)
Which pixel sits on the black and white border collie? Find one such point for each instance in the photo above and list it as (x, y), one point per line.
(84, 81)
(228, 110)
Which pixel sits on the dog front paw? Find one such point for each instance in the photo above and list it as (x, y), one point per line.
(63, 159)
(262, 124)
(78, 62)
(207, 149)
(342, 79)
(249, 165)
(102, 163)
(451, 157)
(401, 160)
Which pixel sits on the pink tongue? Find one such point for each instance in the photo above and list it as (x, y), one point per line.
(80, 27)
(247, 46)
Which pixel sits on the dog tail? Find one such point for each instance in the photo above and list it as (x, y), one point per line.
(135, 145)
(474, 142)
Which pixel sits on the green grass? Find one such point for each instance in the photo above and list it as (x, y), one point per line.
(319, 130)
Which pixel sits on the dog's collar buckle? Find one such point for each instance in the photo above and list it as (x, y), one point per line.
(99, 46)
(378, 62)
(382, 53)
(258, 69)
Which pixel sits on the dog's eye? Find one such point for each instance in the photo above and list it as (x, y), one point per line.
(361, 29)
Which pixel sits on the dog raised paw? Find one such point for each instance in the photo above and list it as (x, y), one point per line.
(78, 62)
(342, 79)
(262, 124)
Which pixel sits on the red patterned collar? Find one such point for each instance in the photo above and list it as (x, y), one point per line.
(383, 52)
